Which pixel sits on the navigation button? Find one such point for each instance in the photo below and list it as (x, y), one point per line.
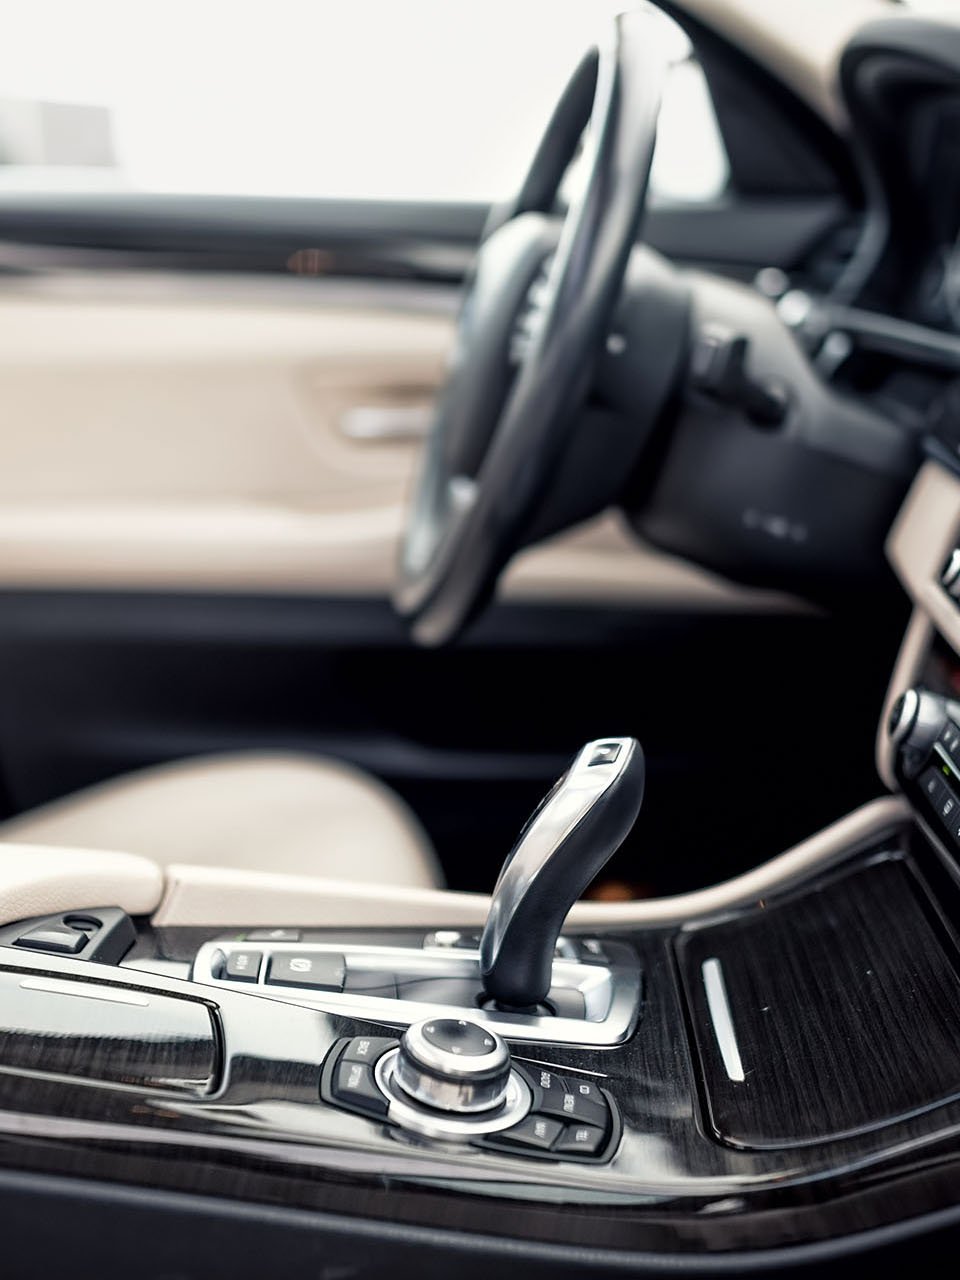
(354, 1084)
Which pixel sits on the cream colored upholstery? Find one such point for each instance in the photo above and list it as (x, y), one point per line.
(289, 814)
(35, 881)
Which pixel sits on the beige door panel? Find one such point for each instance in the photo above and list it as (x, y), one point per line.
(234, 434)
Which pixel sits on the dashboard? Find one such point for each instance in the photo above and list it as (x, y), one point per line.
(933, 156)
(899, 79)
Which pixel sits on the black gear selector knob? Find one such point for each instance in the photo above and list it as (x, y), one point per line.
(579, 825)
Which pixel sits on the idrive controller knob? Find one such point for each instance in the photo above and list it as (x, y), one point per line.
(452, 1064)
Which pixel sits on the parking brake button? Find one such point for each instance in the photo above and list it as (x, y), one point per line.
(317, 970)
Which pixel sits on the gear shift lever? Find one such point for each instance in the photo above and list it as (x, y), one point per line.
(579, 825)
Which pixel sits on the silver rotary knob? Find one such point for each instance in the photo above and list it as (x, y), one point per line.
(454, 1065)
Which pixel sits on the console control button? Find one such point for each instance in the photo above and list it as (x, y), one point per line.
(536, 1132)
(933, 786)
(579, 1101)
(544, 1084)
(580, 1140)
(453, 1065)
(273, 935)
(354, 1085)
(367, 1049)
(950, 737)
(317, 970)
(242, 966)
(55, 938)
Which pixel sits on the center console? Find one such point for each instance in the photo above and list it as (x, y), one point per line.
(765, 1065)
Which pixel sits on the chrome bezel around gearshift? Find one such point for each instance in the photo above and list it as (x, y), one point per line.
(611, 992)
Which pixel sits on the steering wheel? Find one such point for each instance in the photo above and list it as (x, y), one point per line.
(534, 318)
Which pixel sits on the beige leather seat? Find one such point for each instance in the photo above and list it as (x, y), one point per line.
(262, 812)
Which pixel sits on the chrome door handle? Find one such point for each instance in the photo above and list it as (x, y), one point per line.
(387, 422)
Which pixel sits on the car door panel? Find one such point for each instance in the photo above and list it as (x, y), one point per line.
(197, 548)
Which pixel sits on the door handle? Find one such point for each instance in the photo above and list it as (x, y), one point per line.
(380, 423)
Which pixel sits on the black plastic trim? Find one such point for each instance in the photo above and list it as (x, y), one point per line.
(169, 1233)
(430, 243)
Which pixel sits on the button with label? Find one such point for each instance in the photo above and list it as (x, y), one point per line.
(243, 966)
(605, 753)
(354, 1084)
(536, 1132)
(580, 1140)
(367, 1048)
(273, 935)
(580, 1101)
(947, 805)
(318, 970)
(544, 1084)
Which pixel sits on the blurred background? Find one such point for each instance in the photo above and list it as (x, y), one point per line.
(231, 236)
(311, 99)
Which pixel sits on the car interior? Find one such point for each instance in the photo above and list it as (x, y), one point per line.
(480, 699)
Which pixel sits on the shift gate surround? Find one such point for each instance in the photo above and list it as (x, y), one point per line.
(611, 991)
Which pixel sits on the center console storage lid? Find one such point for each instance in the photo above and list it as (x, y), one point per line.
(830, 1012)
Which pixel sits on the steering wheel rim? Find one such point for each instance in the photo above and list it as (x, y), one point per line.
(495, 443)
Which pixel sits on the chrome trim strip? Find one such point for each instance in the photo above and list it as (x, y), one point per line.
(722, 1020)
(84, 990)
(378, 423)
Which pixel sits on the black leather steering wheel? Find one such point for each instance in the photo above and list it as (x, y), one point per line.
(534, 318)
